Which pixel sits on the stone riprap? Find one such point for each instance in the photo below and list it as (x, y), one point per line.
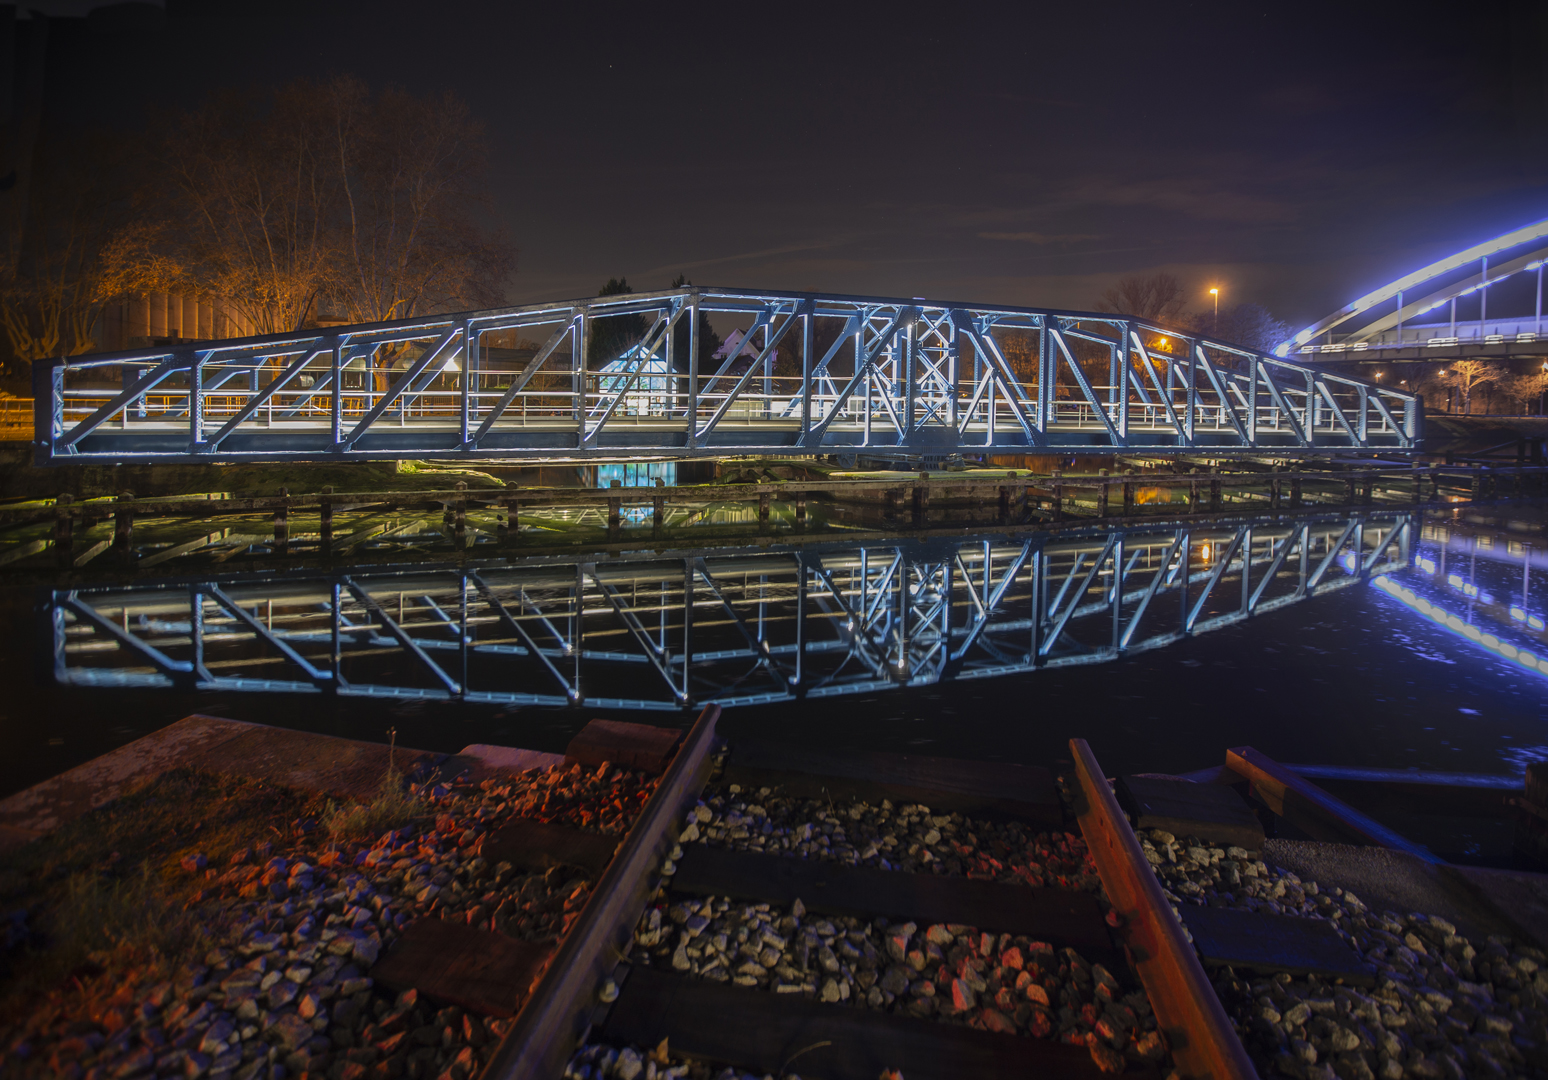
(286, 993)
(1443, 1006)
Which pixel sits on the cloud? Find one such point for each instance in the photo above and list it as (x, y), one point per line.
(1040, 238)
(788, 249)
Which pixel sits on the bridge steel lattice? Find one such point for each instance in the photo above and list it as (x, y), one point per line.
(831, 374)
(737, 629)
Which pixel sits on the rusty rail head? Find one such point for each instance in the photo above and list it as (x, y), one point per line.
(1203, 1039)
(558, 1011)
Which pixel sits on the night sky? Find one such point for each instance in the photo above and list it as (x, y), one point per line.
(1297, 154)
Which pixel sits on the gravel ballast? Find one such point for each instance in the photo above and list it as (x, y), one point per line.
(1444, 1006)
(285, 992)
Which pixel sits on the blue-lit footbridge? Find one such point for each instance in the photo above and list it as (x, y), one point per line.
(814, 374)
(1483, 302)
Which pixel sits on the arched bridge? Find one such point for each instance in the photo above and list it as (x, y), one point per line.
(1416, 316)
(815, 373)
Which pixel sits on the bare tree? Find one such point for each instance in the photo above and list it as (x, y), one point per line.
(1525, 390)
(1252, 325)
(1156, 297)
(53, 277)
(253, 187)
(1465, 376)
(319, 199)
(409, 171)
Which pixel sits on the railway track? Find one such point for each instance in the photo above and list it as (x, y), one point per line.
(977, 944)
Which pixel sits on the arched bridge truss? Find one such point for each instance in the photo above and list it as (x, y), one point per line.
(1418, 312)
(830, 374)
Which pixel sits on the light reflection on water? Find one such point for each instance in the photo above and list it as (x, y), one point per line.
(1348, 677)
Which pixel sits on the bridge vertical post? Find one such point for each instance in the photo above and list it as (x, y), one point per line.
(1003, 512)
(1193, 495)
(693, 370)
(1418, 483)
(905, 341)
(1117, 364)
(1117, 593)
(1254, 377)
(953, 379)
(763, 508)
(1214, 490)
(806, 377)
(1039, 605)
(1058, 494)
(336, 397)
(502, 511)
(1190, 425)
(1185, 579)
(1128, 493)
(196, 403)
(123, 528)
(1045, 379)
(1274, 487)
(1102, 495)
(1122, 420)
(578, 375)
(1295, 492)
(466, 379)
(1349, 491)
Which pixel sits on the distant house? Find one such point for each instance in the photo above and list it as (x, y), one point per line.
(736, 345)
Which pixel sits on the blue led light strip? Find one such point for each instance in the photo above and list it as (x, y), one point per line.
(1463, 629)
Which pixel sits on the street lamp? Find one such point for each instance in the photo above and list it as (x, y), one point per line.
(1216, 294)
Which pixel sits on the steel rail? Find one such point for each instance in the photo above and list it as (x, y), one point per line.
(558, 1012)
(1203, 1040)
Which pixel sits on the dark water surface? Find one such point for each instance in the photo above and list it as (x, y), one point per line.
(1354, 677)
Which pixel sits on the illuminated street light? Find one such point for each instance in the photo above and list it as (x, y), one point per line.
(1216, 294)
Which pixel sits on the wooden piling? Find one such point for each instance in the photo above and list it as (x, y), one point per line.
(325, 523)
(282, 524)
(64, 532)
(460, 518)
(123, 529)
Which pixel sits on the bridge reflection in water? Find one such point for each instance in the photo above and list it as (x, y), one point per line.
(742, 627)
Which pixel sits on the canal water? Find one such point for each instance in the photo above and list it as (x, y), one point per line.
(1389, 640)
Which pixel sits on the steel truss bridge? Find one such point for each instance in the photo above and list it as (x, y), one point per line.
(830, 374)
(741, 628)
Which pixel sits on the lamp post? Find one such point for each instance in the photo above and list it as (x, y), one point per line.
(1216, 294)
